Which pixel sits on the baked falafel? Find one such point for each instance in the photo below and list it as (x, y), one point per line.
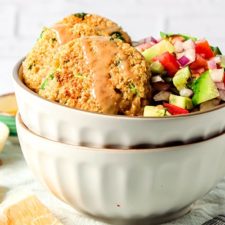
(37, 64)
(99, 74)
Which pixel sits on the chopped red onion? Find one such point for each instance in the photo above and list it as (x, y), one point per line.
(189, 44)
(187, 54)
(178, 45)
(146, 40)
(190, 54)
(217, 75)
(144, 46)
(154, 40)
(212, 64)
(179, 54)
(217, 59)
(149, 39)
(220, 86)
(183, 61)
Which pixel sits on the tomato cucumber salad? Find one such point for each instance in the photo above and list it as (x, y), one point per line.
(187, 74)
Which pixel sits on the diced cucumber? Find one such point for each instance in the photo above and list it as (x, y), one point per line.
(181, 77)
(156, 67)
(158, 49)
(154, 111)
(182, 102)
(204, 89)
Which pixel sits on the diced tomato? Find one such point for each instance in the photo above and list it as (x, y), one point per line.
(196, 75)
(155, 59)
(199, 62)
(201, 70)
(198, 71)
(175, 110)
(169, 62)
(203, 48)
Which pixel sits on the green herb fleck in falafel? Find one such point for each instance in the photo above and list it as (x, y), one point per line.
(80, 15)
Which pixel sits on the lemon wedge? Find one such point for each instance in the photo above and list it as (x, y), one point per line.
(4, 133)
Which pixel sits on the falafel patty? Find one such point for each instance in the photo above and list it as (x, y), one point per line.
(99, 74)
(38, 62)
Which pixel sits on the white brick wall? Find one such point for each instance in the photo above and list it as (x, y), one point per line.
(21, 22)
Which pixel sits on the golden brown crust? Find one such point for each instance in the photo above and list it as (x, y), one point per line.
(38, 62)
(102, 25)
(72, 84)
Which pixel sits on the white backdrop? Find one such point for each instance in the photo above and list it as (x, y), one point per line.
(21, 22)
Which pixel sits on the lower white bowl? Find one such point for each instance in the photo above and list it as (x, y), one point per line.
(126, 186)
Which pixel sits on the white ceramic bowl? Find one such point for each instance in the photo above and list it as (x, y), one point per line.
(126, 186)
(73, 126)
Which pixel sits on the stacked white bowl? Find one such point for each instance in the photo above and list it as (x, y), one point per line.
(126, 170)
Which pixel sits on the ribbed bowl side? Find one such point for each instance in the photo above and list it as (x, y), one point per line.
(75, 127)
(126, 184)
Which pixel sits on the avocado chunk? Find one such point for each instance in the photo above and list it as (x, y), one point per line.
(182, 102)
(181, 77)
(156, 67)
(158, 49)
(204, 89)
(154, 111)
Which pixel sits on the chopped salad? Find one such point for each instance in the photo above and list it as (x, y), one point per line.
(187, 74)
